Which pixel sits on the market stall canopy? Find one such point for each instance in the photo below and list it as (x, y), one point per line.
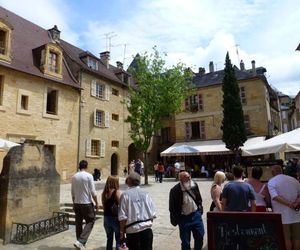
(286, 142)
(6, 145)
(182, 150)
(211, 147)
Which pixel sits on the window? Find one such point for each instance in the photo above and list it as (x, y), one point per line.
(92, 63)
(3, 37)
(115, 117)
(115, 92)
(195, 130)
(5, 41)
(165, 135)
(99, 118)
(98, 90)
(284, 114)
(243, 95)
(95, 148)
(1, 89)
(53, 62)
(52, 97)
(115, 144)
(24, 102)
(194, 103)
(247, 123)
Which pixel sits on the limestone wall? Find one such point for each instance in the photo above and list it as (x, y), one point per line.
(29, 186)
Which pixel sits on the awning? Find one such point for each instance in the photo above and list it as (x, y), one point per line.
(210, 147)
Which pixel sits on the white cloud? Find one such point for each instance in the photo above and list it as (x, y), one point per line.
(192, 31)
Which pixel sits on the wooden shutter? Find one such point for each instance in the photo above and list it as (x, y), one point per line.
(106, 119)
(187, 130)
(200, 102)
(93, 88)
(187, 104)
(107, 92)
(88, 147)
(102, 148)
(95, 116)
(202, 130)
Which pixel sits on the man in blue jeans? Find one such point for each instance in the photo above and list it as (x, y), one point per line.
(185, 206)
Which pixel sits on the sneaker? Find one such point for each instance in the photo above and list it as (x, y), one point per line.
(78, 245)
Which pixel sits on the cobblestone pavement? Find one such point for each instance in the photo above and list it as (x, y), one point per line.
(166, 237)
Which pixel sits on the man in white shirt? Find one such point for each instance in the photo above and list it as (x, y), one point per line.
(285, 196)
(83, 196)
(136, 214)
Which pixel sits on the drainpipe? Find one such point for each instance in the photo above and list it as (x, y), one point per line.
(79, 120)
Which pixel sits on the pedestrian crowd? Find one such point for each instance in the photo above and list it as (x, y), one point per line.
(128, 216)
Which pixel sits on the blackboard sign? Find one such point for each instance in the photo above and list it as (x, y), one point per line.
(244, 231)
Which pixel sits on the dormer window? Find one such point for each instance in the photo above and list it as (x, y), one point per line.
(2, 42)
(51, 60)
(92, 63)
(5, 42)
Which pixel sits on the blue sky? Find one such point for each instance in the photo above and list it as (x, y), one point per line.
(191, 31)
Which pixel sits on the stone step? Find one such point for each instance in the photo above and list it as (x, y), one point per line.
(68, 208)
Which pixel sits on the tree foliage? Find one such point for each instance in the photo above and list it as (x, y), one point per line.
(158, 93)
(234, 133)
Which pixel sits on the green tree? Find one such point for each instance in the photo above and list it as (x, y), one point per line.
(158, 93)
(233, 126)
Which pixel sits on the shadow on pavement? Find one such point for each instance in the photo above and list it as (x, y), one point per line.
(54, 248)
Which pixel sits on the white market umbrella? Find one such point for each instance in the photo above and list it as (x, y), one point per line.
(181, 150)
(6, 145)
(286, 142)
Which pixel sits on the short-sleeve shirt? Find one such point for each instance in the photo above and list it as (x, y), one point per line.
(289, 188)
(238, 195)
(83, 188)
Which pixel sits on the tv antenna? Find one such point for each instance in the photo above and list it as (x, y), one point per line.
(108, 36)
(124, 51)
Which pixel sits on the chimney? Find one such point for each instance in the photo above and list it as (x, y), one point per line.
(201, 71)
(104, 56)
(253, 68)
(54, 33)
(119, 65)
(242, 66)
(211, 66)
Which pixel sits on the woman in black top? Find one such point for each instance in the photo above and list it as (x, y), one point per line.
(110, 200)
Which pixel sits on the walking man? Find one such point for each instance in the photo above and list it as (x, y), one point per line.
(237, 194)
(285, 198)
(136, 214)
(83, 196)
(185, 206)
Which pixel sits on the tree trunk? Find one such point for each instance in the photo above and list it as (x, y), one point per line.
(237, 157)
(146, 168)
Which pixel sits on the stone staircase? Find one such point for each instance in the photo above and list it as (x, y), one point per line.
(68, 208)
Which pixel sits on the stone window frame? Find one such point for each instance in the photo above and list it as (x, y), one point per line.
(96, 91)
(45, 113)
(6, 57)
(94, 148)
(92, 63)
(104, 123)
(20, 109)
(115, 144)
(45, 64)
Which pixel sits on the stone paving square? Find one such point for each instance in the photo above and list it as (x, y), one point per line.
(166, 237)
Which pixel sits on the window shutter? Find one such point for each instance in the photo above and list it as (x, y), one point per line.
(88, 146)
(200, 102)
(107, 92)
(102, 148)
(187, 104)
(187, 130)
(93, 88)
(106, 119)
(95, 117)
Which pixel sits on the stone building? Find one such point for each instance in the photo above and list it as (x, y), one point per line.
(286, 104)
(103, 137)
(295, 113)
(39, 97)
(202, 114)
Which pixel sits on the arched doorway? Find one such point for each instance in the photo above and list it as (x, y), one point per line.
(114, 164)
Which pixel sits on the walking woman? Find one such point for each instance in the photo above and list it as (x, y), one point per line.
(110, 201)
(216, 190)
